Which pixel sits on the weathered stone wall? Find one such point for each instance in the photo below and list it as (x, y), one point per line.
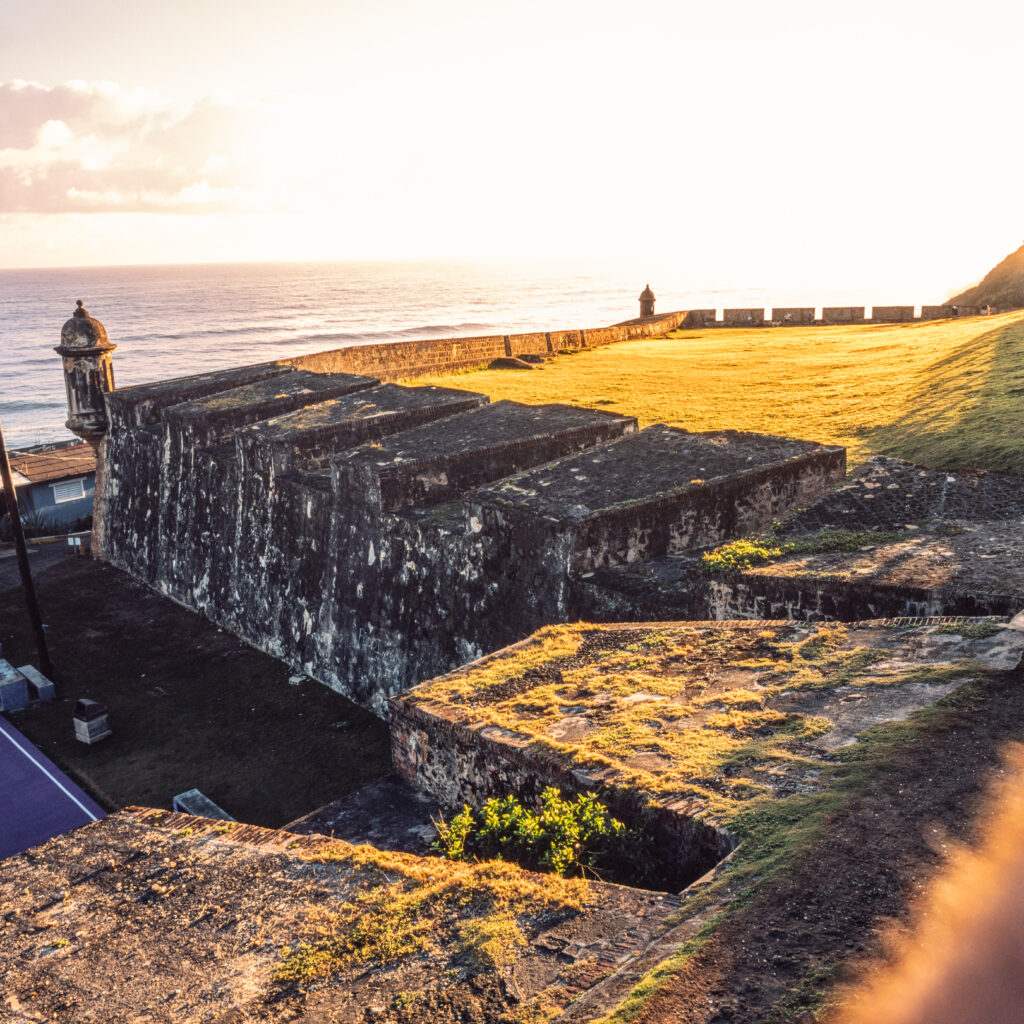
(740, 317)
(829, 315)
(793, 315)
(932, 543)
(700, 318)
(356, 530)
(843, 314)
(808, 600)
(892, 314)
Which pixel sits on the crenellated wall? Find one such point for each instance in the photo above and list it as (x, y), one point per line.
(792, 316)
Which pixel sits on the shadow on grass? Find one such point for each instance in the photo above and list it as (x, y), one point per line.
(966, 409)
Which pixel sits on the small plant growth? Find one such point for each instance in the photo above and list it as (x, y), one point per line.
(402, 906)
(744, 554)
(570, 837)
(972, 630)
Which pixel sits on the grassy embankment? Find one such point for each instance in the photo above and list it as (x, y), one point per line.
(945, 394)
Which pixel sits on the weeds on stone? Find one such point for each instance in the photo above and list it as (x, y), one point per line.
(735, 557)
(492, 941)
(972, 630)
(407, 905)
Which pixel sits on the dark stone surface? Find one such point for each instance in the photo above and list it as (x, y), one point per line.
(672, 461)
(438, 462)
(213, 417)
(888, 493)
(958, 552)
(390, 814)
(141, 404)
(307, 438)
(186, 919)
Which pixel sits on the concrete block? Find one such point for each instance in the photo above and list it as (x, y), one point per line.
(843, 314)
(14, 693)
(213, 419)
(790, 316)
(696, 490)
(92, 721)
(892, 314)
(306, 439)
(142, 404)
(700, 318)
(440, 461)
(743, 317)
(194, 802)
(38, 683)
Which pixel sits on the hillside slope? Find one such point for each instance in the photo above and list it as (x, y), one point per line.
(945, 394)
(1002, 286)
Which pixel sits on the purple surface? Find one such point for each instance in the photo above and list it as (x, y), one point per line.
(37, 800)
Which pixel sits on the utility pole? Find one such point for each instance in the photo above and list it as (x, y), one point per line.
(26, 575)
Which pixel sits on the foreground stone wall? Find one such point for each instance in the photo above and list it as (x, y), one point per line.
(651, 716)
(459, 763)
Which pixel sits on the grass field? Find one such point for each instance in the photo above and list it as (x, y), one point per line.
(945, 394)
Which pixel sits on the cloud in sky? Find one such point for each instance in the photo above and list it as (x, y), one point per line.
(95, 147)
(784, 142)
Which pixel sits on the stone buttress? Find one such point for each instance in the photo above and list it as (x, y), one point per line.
(373, 535)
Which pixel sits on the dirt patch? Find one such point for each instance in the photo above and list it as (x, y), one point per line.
(191, 705)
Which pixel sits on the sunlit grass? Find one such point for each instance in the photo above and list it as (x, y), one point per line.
(946, 394)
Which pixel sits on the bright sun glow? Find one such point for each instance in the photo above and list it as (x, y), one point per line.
(784, 145)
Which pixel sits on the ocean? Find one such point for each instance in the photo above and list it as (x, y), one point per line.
(171, 321)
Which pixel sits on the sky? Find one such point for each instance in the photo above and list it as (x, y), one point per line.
(773, 144)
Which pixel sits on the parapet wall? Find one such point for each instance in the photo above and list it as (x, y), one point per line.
(398, 360)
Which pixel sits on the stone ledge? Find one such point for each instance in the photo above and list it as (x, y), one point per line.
(212, 419)
(653, 715)
(438, 462)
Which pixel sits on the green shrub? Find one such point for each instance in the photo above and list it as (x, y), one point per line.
(571, 837)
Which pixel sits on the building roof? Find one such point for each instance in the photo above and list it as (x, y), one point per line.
(59, 464)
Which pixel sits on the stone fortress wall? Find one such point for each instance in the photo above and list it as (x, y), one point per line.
(373, 534)
(390, 361)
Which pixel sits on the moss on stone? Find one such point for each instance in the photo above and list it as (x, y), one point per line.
(403, 905)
